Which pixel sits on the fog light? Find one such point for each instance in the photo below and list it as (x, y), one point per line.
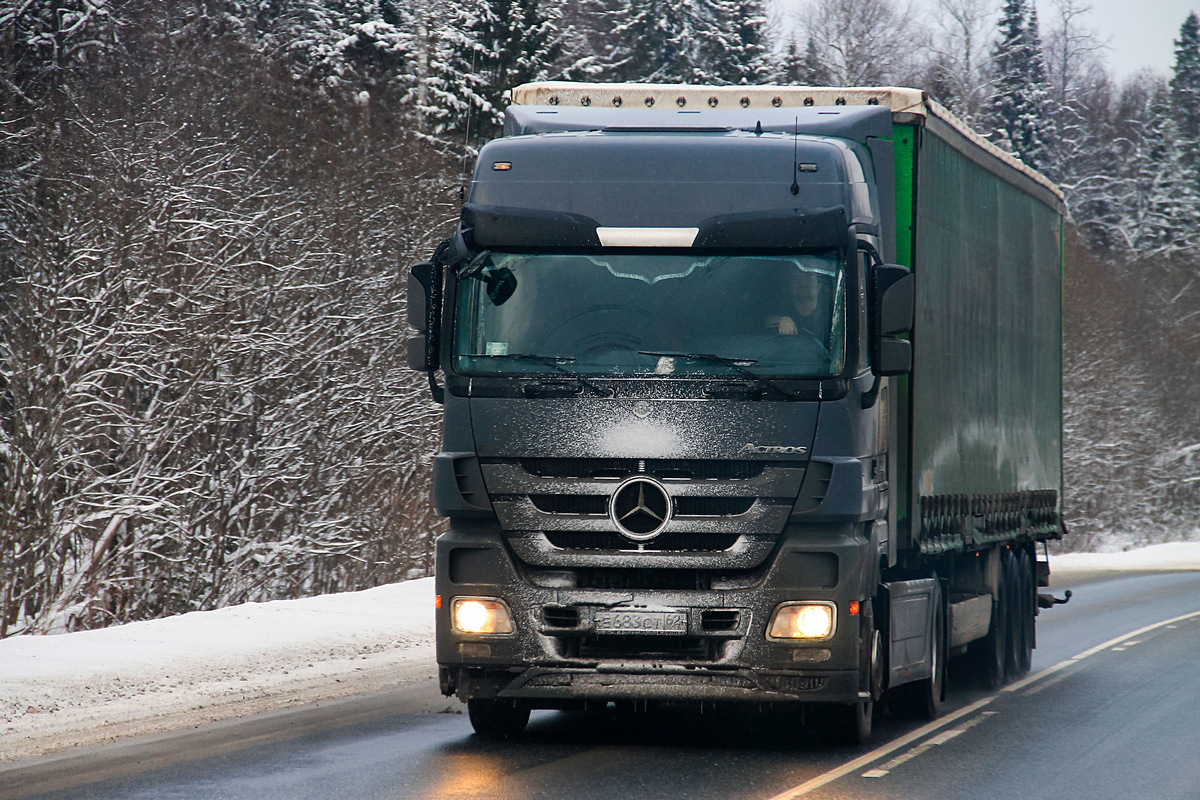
(480, 615)
(812, 621)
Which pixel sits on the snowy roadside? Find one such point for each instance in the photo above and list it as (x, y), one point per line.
(91, 687)
(1171, 557)
(58, 692)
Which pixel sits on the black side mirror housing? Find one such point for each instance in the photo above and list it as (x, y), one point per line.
(893, 293)
(424, 314)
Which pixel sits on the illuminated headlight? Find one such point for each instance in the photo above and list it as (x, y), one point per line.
(808, 621)
(480, 615)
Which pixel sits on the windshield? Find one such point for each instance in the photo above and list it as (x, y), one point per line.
(636, 314)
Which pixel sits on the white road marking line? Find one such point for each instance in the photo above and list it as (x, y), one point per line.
(1047, 684)
(941, 738)
(870, 758)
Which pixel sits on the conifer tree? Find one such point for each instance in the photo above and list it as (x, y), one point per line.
(803, 69)
(790, 62)
(813, 71)
(689, 41)
(736, 45)
(1017, 110)
(1185, 84)
(655, 42)
(1166, 205)
(486, 49)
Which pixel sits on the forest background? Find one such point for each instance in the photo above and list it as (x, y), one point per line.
(207, 208)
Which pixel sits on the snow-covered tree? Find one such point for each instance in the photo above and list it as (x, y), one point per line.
(202, 390)
(803, 69)
(1018, 108)
(487, 48)
(737, 48)
(44, 42)
(958, 48)
(689, 41)
(1166, 216)
(341, 46)
(656, 41)
(859, 42)
(1185, 83)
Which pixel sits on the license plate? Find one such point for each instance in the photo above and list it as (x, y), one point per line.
(641, 621)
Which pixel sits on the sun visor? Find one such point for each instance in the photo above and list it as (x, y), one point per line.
(500, 226)
(814, 229)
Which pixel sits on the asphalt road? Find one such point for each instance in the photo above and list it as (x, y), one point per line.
(1111, 710)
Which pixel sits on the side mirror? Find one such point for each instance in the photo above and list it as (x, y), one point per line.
(892, 305)
(424, 314)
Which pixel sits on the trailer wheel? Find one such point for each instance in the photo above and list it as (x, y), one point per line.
(1026, 611)
(991, 652)
(497, 719)
(1015, 585)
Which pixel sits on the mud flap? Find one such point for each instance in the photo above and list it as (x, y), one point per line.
(911, 606)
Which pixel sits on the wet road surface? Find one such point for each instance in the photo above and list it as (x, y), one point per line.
(1111, 710)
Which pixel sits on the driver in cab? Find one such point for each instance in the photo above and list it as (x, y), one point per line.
(800, 314)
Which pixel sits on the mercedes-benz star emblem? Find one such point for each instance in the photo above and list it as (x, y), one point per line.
(640, 508)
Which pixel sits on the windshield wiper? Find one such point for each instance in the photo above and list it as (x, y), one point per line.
(735, 363)
(556, 363)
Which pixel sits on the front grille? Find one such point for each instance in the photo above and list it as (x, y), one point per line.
(572, 504)
(586, 505)
(667, 542)
(673, 648)
(680, 580)
(712, 506)
(666, 469)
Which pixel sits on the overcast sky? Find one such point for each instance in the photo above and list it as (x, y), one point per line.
(1140, 33)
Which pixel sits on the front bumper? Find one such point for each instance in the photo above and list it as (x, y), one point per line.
(657, 683)
(549, 663)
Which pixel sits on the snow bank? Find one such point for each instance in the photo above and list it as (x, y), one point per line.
(1175, 556)
(96, 686)
(84, 688)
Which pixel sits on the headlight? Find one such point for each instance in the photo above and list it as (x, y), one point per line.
(809, 621)
(480, 615)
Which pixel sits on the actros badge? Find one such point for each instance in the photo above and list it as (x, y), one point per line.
(640, 508)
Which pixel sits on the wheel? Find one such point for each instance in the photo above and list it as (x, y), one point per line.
(497, 719)
(991, 651)
(1011, 571)
(851, 724)
(1027, 611)
(925, 696)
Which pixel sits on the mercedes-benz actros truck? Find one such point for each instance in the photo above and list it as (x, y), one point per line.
(751, 395)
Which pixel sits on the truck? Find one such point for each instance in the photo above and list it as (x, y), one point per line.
(752, 394)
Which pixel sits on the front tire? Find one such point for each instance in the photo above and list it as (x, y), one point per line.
(853, 723)
(497, 719)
